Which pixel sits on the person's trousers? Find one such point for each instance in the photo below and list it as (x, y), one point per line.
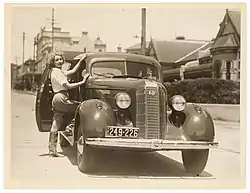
(61, 104)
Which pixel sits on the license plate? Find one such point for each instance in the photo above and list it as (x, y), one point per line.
(127, 132)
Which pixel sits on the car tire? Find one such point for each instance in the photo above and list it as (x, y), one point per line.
(195, 161)
(86, 157)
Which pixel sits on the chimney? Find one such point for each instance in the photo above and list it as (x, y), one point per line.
(180, 38)
(84, 33)
(119, 48)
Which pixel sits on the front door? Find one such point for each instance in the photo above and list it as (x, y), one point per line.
(43, 102)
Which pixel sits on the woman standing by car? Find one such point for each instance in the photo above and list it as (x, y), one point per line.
(61, 103)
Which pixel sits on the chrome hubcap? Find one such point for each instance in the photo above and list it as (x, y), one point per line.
(80, 145)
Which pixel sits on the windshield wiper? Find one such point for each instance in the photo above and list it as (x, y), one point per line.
(126, 76)
(105, 74)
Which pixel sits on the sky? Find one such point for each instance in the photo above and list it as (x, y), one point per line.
(116, 24)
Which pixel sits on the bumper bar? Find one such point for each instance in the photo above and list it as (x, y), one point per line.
(149, 144)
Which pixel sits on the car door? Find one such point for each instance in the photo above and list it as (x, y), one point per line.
(44, 97)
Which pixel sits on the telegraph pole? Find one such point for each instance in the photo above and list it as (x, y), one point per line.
(16, 69)
(53, 23)
(16, 60)
(23, 49)
(143, 32)
(33, 65)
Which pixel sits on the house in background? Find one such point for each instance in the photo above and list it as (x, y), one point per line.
(173, 53)
(225, 50)
(14, 73)
(136, 49)
(30, 73)
(63, 42)
(167, 52)
(43, 45)
(198, 54)
(195, 64)
(218, 58)
(83, 45)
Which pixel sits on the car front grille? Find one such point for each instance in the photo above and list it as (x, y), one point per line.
(150, 111)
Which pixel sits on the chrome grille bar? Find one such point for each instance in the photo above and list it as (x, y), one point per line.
(148, 110)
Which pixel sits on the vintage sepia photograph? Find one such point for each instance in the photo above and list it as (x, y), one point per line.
(125, 95)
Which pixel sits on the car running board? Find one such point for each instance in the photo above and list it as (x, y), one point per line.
(69, 138)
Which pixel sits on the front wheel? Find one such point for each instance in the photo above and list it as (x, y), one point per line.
(86, 157)
(195, 160)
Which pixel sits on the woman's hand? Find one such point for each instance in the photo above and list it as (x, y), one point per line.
(70, 72)
(85, 77)
(82, 58)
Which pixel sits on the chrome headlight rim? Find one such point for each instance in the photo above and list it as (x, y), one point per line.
(178, 103)
(123, 100)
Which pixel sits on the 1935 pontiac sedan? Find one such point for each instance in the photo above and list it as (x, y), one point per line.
(125, 106)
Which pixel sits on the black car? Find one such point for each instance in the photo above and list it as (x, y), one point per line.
(125, 106)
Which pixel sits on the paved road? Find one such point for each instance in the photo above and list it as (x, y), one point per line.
(31, 165)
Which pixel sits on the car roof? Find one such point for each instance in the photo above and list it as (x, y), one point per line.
(120, 55)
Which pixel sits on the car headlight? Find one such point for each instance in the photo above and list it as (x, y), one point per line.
(123, 100)
(178, 103)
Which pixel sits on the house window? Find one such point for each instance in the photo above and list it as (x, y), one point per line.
(100, 50)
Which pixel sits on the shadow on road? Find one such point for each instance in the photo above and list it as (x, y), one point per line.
(122, 163)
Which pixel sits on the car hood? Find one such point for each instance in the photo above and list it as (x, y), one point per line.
(117, 83)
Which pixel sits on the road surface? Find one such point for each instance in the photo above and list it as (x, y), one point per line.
(32, 167)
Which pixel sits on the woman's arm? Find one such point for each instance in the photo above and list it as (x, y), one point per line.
(72, 71)
(77, 84)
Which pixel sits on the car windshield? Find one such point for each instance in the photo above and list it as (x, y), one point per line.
(115, 69)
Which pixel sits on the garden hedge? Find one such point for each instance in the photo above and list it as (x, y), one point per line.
(206, 90)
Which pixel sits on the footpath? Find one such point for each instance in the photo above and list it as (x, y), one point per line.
(219, 112)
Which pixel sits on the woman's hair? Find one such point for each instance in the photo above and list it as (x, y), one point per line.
(52, 58)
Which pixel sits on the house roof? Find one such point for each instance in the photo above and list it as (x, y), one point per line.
(225, 41)
(137, 46)
(235, 16)
(98, 41)
(170, 51)
(84, 43)
(70, 55)
(195, 54)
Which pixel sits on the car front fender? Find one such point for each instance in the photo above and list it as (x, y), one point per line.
(198, 124)
(93, 116)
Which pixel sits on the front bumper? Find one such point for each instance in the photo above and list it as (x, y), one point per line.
(149, 144)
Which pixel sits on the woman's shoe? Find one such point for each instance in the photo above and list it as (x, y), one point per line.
(54, 154)
(53, 145)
